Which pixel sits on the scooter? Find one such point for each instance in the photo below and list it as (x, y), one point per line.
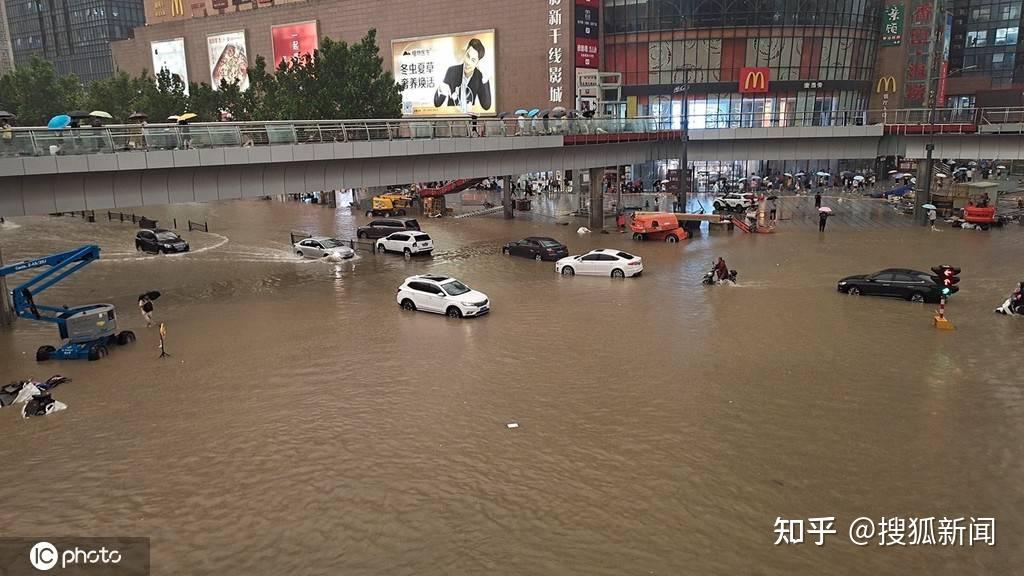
(711, 278)
(1009, 309)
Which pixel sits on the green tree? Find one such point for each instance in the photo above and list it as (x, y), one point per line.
(203, 101)
(36, 94)
(162, 98)
(119, 95)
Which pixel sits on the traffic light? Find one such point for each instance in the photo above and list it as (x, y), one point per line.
(948, 278)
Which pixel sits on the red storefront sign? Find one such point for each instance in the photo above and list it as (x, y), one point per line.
(586, 52)
(754, 80)
(291, 40)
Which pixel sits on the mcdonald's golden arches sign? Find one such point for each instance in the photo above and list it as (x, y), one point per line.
(754, 80)
(886, 85)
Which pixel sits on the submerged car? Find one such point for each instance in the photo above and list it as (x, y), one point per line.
(601, 262)
(536, 247)
(441, 295)
(156, 240)
(323, 247)
(912, 285)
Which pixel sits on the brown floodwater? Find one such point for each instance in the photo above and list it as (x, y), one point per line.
(304, 424)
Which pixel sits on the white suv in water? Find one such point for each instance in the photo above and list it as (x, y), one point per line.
(441, 295)
(408, 243)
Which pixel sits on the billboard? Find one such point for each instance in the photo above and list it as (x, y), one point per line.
(292, 40)
(892, 25)
(228, 59)
(944, 66)
(170, 55)
(451, 74)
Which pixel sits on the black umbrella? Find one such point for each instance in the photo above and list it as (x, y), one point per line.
(503, 115)
(78, 114)
(150, 295)
(4, 114)
(138, 115)
(544, 113)
(587, 113)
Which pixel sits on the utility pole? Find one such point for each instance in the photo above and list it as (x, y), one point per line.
(6, 314)
(925, 196)
(684, 168)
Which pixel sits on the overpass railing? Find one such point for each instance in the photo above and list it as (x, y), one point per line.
(40, 141)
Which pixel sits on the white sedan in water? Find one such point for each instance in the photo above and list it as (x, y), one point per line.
(323, 247)
(601, 262)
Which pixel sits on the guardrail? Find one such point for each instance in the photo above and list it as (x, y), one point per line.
(40, 141)
(201, 226)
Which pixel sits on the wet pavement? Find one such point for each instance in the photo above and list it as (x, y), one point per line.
(305, 424)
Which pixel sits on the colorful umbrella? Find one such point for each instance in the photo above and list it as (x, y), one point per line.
(825, 209)
(59, 122)
(187, 116)
(522, 112)
(929, 207)
(533, 113)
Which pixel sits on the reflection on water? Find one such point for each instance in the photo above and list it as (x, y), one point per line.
(305, 424)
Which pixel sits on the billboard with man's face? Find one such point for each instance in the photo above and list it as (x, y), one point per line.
(291, 40)
(228, 59)
(446, 74)
(170, 55)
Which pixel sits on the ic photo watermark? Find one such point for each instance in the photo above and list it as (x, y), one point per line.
(67, 555)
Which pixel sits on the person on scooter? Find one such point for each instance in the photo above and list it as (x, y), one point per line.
(1017, 299)
(721, 270)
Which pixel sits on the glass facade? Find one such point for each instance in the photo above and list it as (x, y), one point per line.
(820, 56)
(985, 41)
(74, 35)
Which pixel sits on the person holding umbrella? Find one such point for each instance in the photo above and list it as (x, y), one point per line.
(823, 214)
(932, 215)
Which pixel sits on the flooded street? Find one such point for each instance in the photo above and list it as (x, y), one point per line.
(304, 424)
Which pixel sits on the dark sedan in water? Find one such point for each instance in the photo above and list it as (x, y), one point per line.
(156, 240)
(912, 285)
(536, 247)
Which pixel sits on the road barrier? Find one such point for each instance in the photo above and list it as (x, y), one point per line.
(201, 226)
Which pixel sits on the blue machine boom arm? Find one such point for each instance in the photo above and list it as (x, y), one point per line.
(60, 267)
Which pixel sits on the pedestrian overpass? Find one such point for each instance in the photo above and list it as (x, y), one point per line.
(44, 171)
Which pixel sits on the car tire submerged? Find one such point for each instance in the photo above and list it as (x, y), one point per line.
(853, 291)
(617, 273)
(453, 312)
(409, 305)
(568, 271)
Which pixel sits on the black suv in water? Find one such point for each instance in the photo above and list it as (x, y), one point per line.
(381, 228)
(157, 240)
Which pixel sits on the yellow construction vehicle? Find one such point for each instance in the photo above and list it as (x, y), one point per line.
(390, 204)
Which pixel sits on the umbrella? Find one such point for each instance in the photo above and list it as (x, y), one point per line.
(101, 114)
(742, 180)
(858, 178)
(801, 173)
(787, 174)
(503, 115)
(4, 114)
(151, 295)
(138, 115)
(894, 171)
(521, 112)
(825, 209)
(960, 169)
(845, 172)
(558, 112)
(972, 163)
(187, 116)
(173, 117)
(929, 207)
(59, 122)
(78, 114)
(1000, 167)
(823, 174)
(913, 180)
(940, 176)
(533, 113)
(664, 181)
(544, 113)
(755, 177)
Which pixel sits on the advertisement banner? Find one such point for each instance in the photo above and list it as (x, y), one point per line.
(892, 25)
(219, 4)
(446, 74)
(291, 40)
(586, 22)
(228, 59)
(586, 53)
(170, 55)
(944, 66)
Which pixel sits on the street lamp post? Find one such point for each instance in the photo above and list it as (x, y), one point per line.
(684, 168)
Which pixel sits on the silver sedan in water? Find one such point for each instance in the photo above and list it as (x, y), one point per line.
(323, 247)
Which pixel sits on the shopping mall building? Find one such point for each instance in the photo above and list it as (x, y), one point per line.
(738, 63)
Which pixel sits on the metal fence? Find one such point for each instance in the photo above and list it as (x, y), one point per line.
(201, 226)
(40, 141)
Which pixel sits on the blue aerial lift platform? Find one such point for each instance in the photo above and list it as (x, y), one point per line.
(85, 331)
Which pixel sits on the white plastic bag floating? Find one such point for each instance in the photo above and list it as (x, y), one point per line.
(26, 393)
(583, 230)
(42, 405)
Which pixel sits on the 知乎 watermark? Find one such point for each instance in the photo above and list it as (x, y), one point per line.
(55, 555)
(891, 531)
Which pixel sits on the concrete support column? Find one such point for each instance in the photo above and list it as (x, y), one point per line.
(596, 199)
(506, 197)
(618, 192)
(332, 199)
